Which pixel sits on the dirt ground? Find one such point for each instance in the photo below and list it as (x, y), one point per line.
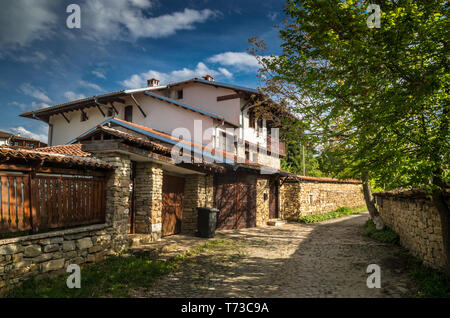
(327, 259)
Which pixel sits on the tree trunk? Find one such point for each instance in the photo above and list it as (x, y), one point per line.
(439, 201)
(370, 203)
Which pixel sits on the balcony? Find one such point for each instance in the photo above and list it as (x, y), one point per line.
(281, 147)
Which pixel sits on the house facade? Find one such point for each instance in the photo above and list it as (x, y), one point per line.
(190, 144)
(17, 141)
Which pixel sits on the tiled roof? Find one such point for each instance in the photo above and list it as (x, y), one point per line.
(416, 193)
(317, 179)
(10, 154)
(71, 150)
(5, 134)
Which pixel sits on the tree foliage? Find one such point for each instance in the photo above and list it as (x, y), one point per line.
(375, 99)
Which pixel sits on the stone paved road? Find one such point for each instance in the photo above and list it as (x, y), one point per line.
(326, 259)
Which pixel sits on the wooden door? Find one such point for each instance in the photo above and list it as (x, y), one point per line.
(235, 198)
(172, 204)
(225, 198)
(273, 198)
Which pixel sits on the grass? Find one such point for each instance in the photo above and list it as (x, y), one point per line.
(338, 213)
(430, 283)
(112, 277)
(384, 236)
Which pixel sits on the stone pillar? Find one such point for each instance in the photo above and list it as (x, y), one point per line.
(262, 201)
(198, 192)
(117, 197)
(148, 195)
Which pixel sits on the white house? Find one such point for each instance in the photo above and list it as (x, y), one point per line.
(143, 125)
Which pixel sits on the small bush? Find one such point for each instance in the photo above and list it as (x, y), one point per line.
(339, 212)
(384, 236)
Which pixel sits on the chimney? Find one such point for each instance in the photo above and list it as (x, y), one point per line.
(208, 78)
(153, 82)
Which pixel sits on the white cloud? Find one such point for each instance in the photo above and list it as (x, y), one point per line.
(73, 96)
(272, 15)
(25, 107)
(22, 21)
(42, 136)
(140, 80)
(236, 59)
(99, 74)
(225, 72)
(91, 85)
(122, 19)
(32, 91)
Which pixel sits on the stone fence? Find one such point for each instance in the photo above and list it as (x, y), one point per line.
(308, 195)
(50, 253)
(414, 218)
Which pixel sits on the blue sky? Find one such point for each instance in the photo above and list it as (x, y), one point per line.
(121, 43)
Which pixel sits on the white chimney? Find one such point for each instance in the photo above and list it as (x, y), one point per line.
(208, 78)
(153, 82)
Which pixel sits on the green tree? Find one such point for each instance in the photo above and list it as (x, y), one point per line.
(376, 99)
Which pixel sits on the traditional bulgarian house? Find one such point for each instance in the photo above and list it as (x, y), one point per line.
(180, 146)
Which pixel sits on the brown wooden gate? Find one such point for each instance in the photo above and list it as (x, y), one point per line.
(235, 197)
(172, 204)
(273, 198)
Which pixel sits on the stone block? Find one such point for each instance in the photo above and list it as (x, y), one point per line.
(84, 243)
(52, 265)
(32, 250)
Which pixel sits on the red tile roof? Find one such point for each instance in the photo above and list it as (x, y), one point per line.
(317, 179)
(8, 154)
(71, 150)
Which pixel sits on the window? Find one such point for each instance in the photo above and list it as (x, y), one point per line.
(84, 116)
(259, 126)
(223, 141)
(180, 94)
(110, 112)
(251, 120)
(129, 113)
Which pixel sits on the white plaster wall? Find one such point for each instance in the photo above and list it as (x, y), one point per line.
(204, 97)
(161, 116)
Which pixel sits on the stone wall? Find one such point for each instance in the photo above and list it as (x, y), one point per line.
(41, 254)
(416, 221)
(148, 196)
(51, 253)
(262, 201)
(198, 192)
(317, 197)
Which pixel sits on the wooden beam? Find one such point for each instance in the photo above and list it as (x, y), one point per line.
(112, 105)
(119, 100)
(228, 97)
(137, 104)
(68, 121)
(101, 110)
(84, 114)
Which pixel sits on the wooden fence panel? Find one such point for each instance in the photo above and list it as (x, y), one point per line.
(35, 202)
(15, 214)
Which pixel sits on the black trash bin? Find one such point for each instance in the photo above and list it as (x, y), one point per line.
(207, 220)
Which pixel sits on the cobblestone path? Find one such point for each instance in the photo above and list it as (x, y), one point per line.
(327, 259)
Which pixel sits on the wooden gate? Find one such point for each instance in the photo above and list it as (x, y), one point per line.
(235, 198)
(33, 202)
(273, 198)
(172, 204)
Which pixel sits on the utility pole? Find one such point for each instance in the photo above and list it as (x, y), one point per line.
(304, 168)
